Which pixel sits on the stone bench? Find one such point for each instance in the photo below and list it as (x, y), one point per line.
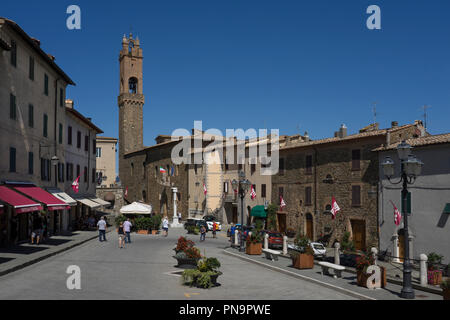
(337, 269)
(271, 254)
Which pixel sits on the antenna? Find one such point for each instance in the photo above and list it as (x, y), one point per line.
(425, 107)
(298, 128)
(374, 110)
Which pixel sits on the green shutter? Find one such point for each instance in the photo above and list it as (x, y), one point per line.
(12, 106)
(45, 125)
(12, 159)
(30, 163)
(30, 116)
(60, 133)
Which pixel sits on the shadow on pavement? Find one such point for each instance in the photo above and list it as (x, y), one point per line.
(22, 249)
(55, 242)
(3, 260)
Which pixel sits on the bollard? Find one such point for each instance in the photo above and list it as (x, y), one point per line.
(236, 238)
(374, 255)
(336, 253)
(266, 241)
(285, 238)
(423, 269)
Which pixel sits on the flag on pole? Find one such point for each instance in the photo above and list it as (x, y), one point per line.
(126, 192)
(162, 170)
(204, 189)
(253, 193)
(334, 208)
(282, 203)
(76, 184)
(397, 215)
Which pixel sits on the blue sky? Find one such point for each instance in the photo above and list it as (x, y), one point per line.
(291, 65)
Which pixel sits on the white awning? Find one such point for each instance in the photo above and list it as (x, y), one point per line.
(136, 208)
(89, 203)
(63, 196)
(100, 201)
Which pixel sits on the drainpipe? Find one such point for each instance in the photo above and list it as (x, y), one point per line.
(315, 188)
(55, 128)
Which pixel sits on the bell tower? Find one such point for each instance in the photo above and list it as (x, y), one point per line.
(131, 98)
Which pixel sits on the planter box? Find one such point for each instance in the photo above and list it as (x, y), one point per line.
(303, 261)
(253, 248)
(446, 294)
(434, 277)
(154, 232)
(142, 232)
(187, 263)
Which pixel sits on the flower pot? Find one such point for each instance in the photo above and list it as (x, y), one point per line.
(154, 232)
(303, 261)
(253, 248)
(214, 278)
(187, 263)
(434, 277)
(142, 232)
(446, 294)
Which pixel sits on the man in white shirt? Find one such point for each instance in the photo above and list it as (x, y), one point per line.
(101, 225)
(165, 225)
(127, 229)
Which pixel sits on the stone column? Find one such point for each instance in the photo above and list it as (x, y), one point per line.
(285, 251)
(395, 252)
(175, 223)
(236, 238)
(374, 255)
(337, 260)
(423, 269)
(266, 241)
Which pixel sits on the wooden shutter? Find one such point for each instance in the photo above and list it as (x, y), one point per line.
(356, 195)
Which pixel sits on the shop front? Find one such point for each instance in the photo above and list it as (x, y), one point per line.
(86, 208)
(62, 219)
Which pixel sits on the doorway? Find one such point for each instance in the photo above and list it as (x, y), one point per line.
(282, 222)
(235, 215)
(309, 226)
(359, 234)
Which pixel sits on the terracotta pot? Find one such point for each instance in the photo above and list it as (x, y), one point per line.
(253, 248)
(154, 232)
(142, 232)
(303, 261)
(446, 294)
(434, 277)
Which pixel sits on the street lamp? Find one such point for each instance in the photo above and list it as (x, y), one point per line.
(411, 167)
(242, 186)
(54, 162)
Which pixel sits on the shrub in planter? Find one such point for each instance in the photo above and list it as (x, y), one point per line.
(362, 263)
(434, 274)
(204, 276)
(155, 222)
(445, 285)
(253, 243)
(303, 260)
(193, 230)
(142, 223)
(183, 244)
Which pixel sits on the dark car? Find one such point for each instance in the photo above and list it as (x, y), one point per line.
(275, 239)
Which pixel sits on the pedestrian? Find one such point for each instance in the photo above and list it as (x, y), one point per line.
(121, 235)
(179, 217)
(101, 225)
(165, 225)
(127, 229)
(37, 229)
(232, 231)
(214, 229)
(202, 233)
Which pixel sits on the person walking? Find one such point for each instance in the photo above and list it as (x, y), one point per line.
(202, 233)
(121, 235)
(127, 229)
(165, 225)
(179, 217)
(214, 229)
(101, 225)
(232, 231)
(37, 229)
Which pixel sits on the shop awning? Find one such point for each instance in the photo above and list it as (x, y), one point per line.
(136, 208)
(20, 203)
(100, 201)
(52, 203)
(91, 204)
(447, 208)
(258, 212)
(62, 196)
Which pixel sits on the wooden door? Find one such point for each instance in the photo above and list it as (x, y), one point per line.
(359, 234)
(282, 223)
(309, 226)
(401, 245)
(235, 215)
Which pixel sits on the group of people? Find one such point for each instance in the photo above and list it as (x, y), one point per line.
(203, 231)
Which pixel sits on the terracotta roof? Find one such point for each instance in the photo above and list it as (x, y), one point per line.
(419, 142)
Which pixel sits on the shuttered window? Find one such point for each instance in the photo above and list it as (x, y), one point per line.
(356, 196)
(46, 84)
(14, 53)
(308, 166)
(30, 115)
(308, 197)
(30, 163)
(12, 159)
(12, 106)
(263, 191)
(356, 159)
(31, 69)
(281, 166)
(69, 135)
(45, 133)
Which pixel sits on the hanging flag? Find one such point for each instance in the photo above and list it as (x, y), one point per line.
(162, 170)
(334, 208)
(76, 184)
(204, 189)
(172, 172)
(282, 203)
(397, 215)
(253, 193)
(126, 192)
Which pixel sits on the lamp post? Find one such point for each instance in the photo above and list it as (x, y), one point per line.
(242, 186)
(411, 167)
(54, 162)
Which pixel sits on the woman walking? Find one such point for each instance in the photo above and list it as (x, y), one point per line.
(121, 236)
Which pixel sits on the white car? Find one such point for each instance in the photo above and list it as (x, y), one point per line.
(210, 221)
(319, 250)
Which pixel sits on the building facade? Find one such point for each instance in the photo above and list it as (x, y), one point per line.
(106, 161)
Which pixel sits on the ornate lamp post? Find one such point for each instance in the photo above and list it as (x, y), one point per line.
(242, 186)
(411, 167)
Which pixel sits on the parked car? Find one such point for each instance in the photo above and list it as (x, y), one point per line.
(275, 239)
(210, 221)
(319, 250)
(195, 223)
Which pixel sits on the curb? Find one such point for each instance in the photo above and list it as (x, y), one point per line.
(38, 259)
(298, 276)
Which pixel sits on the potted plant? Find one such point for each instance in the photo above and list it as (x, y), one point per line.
(304, 259)
(254, 245)
(142, 225)
(186, 254)
(205, 275)
(362, 263)
(182, 244)
(434, 274)
(445, 285)
(155, 223)
(193, 230)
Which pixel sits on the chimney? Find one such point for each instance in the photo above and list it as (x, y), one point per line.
(306, 136)
(51, 57)
(90, 119)
(36, 41)
(342, 131)
(394, 124)
(69, 103)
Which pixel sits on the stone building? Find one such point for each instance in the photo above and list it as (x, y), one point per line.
(106, 161)
(344, 167)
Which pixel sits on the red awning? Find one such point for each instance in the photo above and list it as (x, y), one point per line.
(38, 194)
(20, 203)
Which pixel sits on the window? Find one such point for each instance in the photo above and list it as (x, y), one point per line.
(132, 168)
(46, 84)
(356, 196)
(69, 135)
(225, 187)
(61, 172)
(78, 139)
(86, 143)
(45, 133)
(12, 159)
(94, 146)
(31, 69)
(356, 159)
(308, 168)
(195, 168)
(13, 53)
(281, 166)
(132, 83)
(68, 171)
(263, 191)
(85, 174)
(93, 175)
(12, 106)
(60, 137)
(30, 115)
(252, 168)
(308, 197)
(78, 170)
(99, 152)
(30, 163)
(45, 170)
(61, 97)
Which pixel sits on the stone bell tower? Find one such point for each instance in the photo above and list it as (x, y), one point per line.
(131, 98)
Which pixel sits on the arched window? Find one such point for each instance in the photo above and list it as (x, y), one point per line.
(132, 85)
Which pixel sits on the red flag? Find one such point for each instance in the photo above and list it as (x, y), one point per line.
(204, 189)
(334, 208)
(126, 192)
(397, 215)
(282, 203)
(253, 193)
(76, 184)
